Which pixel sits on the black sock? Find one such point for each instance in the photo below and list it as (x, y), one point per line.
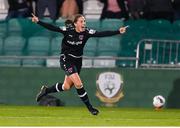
(84, 97)
(55, 88)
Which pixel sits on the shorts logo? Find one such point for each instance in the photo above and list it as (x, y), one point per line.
(109, 87)
(70, 70)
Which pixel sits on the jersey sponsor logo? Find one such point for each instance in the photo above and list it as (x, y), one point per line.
(91, 31)
(109, 87)
(81, 37)
(74, 43)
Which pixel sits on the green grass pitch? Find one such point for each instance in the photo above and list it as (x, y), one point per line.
(79, 116)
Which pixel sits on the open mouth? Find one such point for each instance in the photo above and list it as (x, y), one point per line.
(83, 28)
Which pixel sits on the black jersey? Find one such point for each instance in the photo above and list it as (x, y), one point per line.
(74, 42)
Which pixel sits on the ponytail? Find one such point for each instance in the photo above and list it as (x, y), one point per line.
(69, 24)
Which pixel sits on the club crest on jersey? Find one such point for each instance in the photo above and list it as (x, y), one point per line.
(109, 88)
(81, 37)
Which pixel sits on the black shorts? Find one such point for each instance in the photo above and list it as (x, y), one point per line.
(70, 64)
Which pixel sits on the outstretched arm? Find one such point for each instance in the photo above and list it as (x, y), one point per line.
(35, 19)
(107, 33)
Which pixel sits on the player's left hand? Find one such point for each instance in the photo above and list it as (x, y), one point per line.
(35, 19)
(123, 29)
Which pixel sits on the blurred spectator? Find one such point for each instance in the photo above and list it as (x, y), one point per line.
(80, 5)
(30, 5)
(71, 7)
(59, 6)
(51, 5)
(159, 9)
(136, 8)
(176, 7)
(114, 9)
(18, 9)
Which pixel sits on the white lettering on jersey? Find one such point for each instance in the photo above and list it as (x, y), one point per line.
(74, 43)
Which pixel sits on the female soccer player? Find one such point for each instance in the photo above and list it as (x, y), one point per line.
(74, 40)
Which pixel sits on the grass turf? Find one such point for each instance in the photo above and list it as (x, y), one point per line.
(79, 116)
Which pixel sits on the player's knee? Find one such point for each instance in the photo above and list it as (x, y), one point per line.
(66, 87)
(78, 84)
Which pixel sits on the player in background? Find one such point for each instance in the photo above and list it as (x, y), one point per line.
(75, 38)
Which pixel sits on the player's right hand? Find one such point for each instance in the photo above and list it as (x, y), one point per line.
(35, 19)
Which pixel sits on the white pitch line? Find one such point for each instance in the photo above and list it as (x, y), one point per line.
(130, 119)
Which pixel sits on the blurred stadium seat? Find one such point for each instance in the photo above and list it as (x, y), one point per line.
(176, 30)
(15, 27)
(60, 22)
(108, 46)
(38, 46)
(176, 26)
(14, 45)
(3, 28)
(90, 50)
(90, 47)
(139, 25)
(129, 43)
(159, 29)
(93, 24)
(47, 20)
(111, 24)
(1, 46)
(41, 31)
(56, 45)
(160, 25)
